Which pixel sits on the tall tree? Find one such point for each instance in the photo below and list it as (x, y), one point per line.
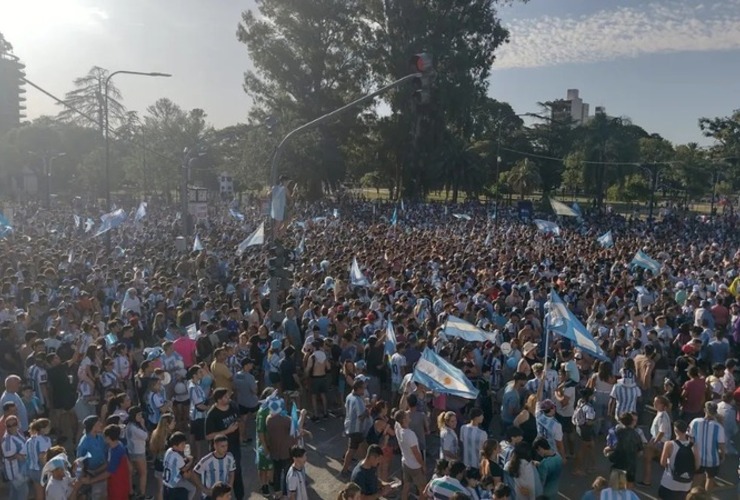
(89, 97)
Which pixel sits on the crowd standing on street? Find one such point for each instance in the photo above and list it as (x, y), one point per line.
(150, 368)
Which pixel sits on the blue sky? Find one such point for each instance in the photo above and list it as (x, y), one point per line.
(663, 63)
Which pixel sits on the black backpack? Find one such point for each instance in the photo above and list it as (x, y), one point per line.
(684, 465)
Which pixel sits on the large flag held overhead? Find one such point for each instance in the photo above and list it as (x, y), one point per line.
(441, 376)
(547, 227)
(111, 220)
(456, 327)
(564, 323)
(465, 217)
(390, 339)
(197, 244)
(606, 240)
(236, 215)
(140, 212)
(355, 275)
(256, 238)
(643, 260)
(562, 209)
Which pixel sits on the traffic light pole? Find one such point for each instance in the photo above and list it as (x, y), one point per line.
(312, 124)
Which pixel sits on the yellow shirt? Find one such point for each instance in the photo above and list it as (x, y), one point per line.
(221, 376)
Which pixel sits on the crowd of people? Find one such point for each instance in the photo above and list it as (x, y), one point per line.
(138, 369)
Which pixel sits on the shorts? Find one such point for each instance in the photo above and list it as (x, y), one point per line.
(566, 423)
(319, 385)
(137, 456)
(355, 440)
(198, 429)
(35, 476)
(709, 471)
(666, 494)
(586, 432)
(263, 463)
(414, 476)
(175, 494)
(245, 410)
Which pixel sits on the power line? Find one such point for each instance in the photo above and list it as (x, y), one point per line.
(93, 120)
(587, 162)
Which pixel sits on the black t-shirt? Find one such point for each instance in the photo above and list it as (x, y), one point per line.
(260, 346)
(63, 394)
(219, 420)
(373, 359)
(287, 370)
(366, 479)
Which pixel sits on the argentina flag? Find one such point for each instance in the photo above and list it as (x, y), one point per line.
(390, 339)
(394, 217)
(140, 212)
(355, 276)
(197, 244)
(547, 227)
(643, 260)
(562, 209)
(440, 376)
(256, 238)
(564, 323)
(111, 220)
(238, 216)
(606, 240)
(456, 327)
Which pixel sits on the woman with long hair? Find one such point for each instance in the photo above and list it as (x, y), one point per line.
(489, 466)
(602, 382)
(118, 406)
(449, 445)
(350, 492)
(526, 420)
(617, 489)
(158, 447)
(521, 468)
(380, 433)
(35, 450)
(136, 436)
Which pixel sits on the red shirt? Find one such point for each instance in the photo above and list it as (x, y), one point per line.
(695, 390)
(185, 347)
(119, 481)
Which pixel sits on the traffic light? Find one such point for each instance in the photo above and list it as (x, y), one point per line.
(280, 265)
(422, 84)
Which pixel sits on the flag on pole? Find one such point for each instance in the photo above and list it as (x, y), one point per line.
(89, 223)
(465, 217)
(456, 327)
(403, 208)
(447, 210)
(301, 246)
(78, 221)
(356, 277)
(562, 209)
(336, 213)
(547, 227)
(140, 212)
(487, 243)
(71, 256)
(606, 240)
(390, 339)
(564, 323)
(111, 220)
(641, 259)
(440, 376)
(394, 217)
(238, 216)
(197, 244)
(256, 238)
(577, 208)
(295, 427)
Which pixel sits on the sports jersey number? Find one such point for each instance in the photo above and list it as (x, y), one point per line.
(394, 368)
(166, 475)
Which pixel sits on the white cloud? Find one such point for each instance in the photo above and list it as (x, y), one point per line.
(619, 33)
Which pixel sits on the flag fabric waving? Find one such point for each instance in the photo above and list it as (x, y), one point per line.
(78, 221)
(197, 244)
(295, 427)
(564, 323)
(256, 238)
(390, 339)
(562, 209)
(301, 245)
(236, 215)
(547, 227)
(140, 212)
(394, 217)
(464, 217)
(456, 327)
(111, 220)
(441, 376)
(356, 277)
(89, 224)
(606, 240)
(643, 260)
(487, 243)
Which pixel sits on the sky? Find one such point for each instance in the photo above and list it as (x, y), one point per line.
(662, 63)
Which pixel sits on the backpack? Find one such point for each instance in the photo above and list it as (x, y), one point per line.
(684, 465)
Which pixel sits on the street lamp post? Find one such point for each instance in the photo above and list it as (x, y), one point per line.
(106, 130)
(48, 162)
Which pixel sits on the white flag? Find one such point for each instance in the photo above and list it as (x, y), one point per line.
(140, 212)
(356, 276)
(197, 245)
(563, 209)
(256, 238)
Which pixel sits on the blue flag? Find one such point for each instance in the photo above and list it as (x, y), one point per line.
(641, 259)
(295, 423)
(456, 327)
(111, 220)
(394, 217)
(564, 323)
(238, 216)
(440, 376)
(547, 227)
(390, 339)
(606, 240)
(78, 221)
(197, 244)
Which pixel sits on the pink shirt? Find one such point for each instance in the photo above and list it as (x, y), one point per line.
(185, 347)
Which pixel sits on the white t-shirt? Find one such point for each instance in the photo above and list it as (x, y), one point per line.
(568, 409)
(406, 440)
(398, 367)
(59, 489)
(661, 422)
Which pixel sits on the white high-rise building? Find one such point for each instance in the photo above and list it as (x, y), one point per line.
(571, 107)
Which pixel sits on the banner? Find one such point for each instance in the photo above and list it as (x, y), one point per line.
(547, 227)
(606, 240)
(256, 238)
(564, 323)
(356, 277)
(562, 209)
(643, 260)
(440, 376)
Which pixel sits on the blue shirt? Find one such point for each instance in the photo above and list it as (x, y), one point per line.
(510, 405)
(550, 469)
(95, 446)
(21, 408)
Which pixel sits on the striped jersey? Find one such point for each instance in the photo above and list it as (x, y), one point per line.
(14, 445)
(213, 469)
(197, 397)
(611, 494)
(505, 454)
(109, 380)
(174, 462)
(626, 398)
(36, 447)
(122, 367)
(295, 482)
(38, 377)
(472, 438)
(354, 407)
(708, 435)
(154, 403)
(550, 429)
(443, 488)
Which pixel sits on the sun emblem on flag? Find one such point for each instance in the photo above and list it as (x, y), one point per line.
(447, 381)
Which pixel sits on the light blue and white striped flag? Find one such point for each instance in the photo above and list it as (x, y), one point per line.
(335, 213)
(643, 260)
(197, 244)
(140, 212)
(562, 209)
(256, 238)
(465, 217)
(440, 376)
(111, 220)
(456, 327)
(238, 216)
(487, 243)
(78, 221)
(606, 240)
(390, 339)
(301, 246)
(355, 276)
(547, 227)
(89, 224)
(394, 217)
(563, 322)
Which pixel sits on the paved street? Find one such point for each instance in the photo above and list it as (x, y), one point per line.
(328, 445)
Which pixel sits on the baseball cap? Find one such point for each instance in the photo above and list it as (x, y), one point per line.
(547, 405)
